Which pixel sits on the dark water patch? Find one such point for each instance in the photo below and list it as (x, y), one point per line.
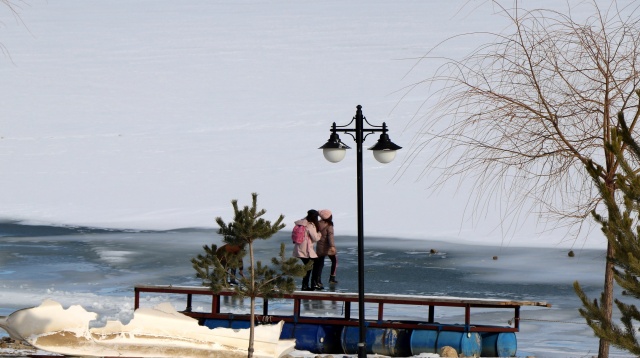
(15, 228)
(18, 229)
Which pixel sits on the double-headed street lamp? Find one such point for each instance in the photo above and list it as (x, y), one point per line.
(384, 151)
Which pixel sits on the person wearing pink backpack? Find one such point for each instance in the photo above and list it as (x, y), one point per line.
(305, 250)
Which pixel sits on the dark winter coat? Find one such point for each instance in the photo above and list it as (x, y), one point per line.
(326, 241)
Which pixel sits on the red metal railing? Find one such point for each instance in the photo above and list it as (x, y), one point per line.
(347, 298)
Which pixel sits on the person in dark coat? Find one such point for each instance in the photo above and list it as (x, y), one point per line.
(224, 253)
(326, 247)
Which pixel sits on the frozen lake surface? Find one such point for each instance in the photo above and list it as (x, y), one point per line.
(156, 114)
(98, 269)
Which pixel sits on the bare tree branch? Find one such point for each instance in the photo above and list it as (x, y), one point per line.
(522, 117)
(524, 113)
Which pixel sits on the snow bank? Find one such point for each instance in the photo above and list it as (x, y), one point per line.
(160, 331)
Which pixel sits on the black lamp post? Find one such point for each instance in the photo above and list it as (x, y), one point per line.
(384, 151)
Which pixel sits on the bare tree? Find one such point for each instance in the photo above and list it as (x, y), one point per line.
(14, 7)
(520, 116)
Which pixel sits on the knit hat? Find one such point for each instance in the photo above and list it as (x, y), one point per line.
(325, 214)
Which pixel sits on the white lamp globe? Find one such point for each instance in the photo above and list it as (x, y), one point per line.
(384, 156)
(334, 155)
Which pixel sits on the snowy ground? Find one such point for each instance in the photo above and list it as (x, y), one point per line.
(155, 114)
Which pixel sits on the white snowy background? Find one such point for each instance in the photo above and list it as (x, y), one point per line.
(156, 114)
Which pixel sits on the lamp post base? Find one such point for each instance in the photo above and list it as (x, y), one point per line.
(362, 350)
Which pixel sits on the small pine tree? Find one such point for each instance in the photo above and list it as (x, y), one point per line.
(247, 227)
(622, 229)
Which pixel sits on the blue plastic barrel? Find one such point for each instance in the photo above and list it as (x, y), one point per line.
(499, 344)
(393, 342)
(468, 344)
(240, 324)
(314, 338)
(390, 342)
(423, 341)
(215, 323)
(349, 339)
(287, 330)
(226, 323)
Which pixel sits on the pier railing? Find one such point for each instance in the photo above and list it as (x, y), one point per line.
(299, 298)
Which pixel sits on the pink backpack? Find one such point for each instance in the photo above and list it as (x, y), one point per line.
(297, 236)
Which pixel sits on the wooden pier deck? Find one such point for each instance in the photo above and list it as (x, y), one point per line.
(424, 318)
